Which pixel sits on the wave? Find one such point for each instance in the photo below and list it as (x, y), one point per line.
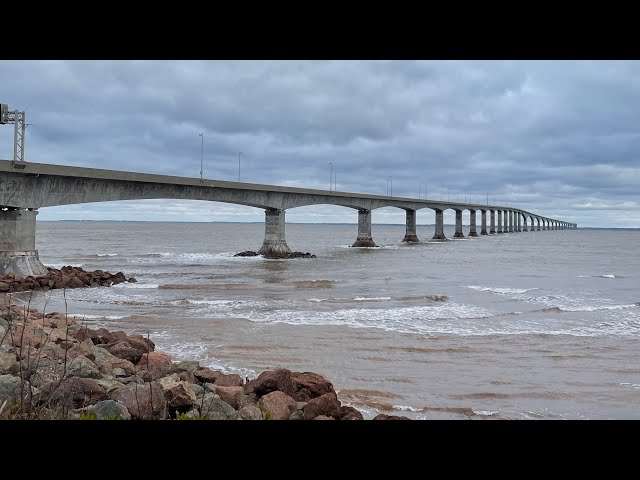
(106, 254)
(502, 291)
(136, 285)
(609, 275)
(370, 299)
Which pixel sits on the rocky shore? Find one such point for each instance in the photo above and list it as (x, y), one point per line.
(66, 277)
(51, 367)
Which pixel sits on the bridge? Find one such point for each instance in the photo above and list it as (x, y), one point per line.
(25, 187)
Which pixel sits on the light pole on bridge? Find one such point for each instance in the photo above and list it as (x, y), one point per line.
(201, 153)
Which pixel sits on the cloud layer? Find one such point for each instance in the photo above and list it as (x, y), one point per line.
(559, 138)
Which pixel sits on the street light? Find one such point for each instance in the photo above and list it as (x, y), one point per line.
(330, 175)
(239, 153)
(201, 153)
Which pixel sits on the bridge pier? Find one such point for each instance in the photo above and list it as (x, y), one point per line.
(500, 222)
(18, 252)
(510, 221)
(493, 222)
(439, 233)
(274, 240)
(411, 235)
(538, 224)
(472, 224)
(458, 233)
(364, 229)
(483, 229)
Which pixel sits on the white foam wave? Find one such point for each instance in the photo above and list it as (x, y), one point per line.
(485, 413)
(136, 285)
(58, 266)
(405, 408)
(597, 308)
(635, 386)
(502, 291)
(610, 275)
(80, 316)
(107, 254)
(370, 299)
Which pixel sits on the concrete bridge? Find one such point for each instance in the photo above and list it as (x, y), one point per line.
(29, 186)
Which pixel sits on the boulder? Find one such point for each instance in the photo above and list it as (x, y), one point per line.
(249, 412)
(153, 357)
(326, 404)
(277, 405)
(197, 390)
(215, 409)
(9, 388)
(109, 410)
(205, 375)
(323, 417)
(144, 402)
(173, 378)
(297, 415)
(188, 366)
(270, 381)
(233, 395)
(84, 349)
(75, 282)
(156, 371)
(73, 392)
(228, 380)
(43, 371)
(8, 364)
(126, 350)
(82, 367)
(53, 352)
(350, 413)
(390, 417)
(310, 385)
(179, 396)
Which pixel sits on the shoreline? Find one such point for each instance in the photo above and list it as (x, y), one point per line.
(51, 367)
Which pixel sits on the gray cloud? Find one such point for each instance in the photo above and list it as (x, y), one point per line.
(555, 137)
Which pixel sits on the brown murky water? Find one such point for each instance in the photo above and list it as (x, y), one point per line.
(526, 325)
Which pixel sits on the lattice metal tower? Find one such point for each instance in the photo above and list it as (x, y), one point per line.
(19, 121)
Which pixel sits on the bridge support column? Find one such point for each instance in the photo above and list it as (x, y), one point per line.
(472, 223)
(458, 233)
(493, 222)
(364, 230)
(274, 241)
(483, 230)
(410, 235)
(524, 224)
(538, 226)
(500, 221)
(18, 252)
(510, 222)
(439, 233)
(518, 222)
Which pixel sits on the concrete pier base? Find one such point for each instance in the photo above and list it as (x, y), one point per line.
(483, 228)
(274, 240)
(411, 235)
(18, 252)
(439, 233)
(472, 224)
(500, 222)
(458, 233)
(364, 230)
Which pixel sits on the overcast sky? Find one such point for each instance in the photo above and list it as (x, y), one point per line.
(558, 138)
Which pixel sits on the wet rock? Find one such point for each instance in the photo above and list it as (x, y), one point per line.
(247, 253)
(66, 277)
(273, 255)
(390, 417)
(310, 385)
(350, 413)
(205, 375)
(270, 381)
(109, 410)
(277, 405)
(297, 415)
(144, 402)
(326, 404)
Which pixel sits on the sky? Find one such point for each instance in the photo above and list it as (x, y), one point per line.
(556, 138)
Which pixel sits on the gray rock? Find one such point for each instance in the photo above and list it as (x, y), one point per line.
(109, 384)
(192, 414)
(249, 412)
(144, 402)
(44, 370)
(82, 367)
(297, 415)
(9, 388)
(130, 380)
(197, 390)
(8, 364)
(100, 353)
(188, 366)
(215, 409)
(109, 410)
(119, 372)
(173, 378)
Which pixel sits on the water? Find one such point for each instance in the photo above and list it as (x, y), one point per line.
(536, 324)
